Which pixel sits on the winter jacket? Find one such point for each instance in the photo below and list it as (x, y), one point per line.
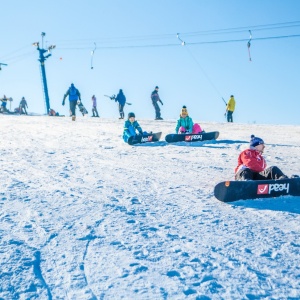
(186, 122)
(94, 99)
(231, 104)
(130, 128)
(155, 97)
(73, 94)
(252, 159)
(23, 103)
(121, 99)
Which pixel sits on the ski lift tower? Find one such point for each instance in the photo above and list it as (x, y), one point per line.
(42, 59)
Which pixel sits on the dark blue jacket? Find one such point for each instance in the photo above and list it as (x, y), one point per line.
(121, 98)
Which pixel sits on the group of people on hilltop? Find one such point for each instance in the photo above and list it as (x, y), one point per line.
(74, 97)
(21, 109)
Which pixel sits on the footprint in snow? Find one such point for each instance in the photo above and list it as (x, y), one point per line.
(135, 201)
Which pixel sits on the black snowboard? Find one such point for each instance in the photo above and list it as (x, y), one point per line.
(228, 191)
(205, 136)
(138, 139)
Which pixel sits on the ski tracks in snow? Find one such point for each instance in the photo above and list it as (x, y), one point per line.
(85, 216)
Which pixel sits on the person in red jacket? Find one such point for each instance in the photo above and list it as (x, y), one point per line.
(253, 166)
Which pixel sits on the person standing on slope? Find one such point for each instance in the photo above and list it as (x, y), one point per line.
(22, 106)
(130, 127)
(252, 165)
(94, 107)
(155, 98)
(230, 107)
(74, 95)
(122, 100)
(185, 123)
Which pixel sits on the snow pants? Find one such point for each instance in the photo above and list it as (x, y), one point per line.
(95, 112)
(157, 110)
(269, 173)
(73, 107)
(23, 110)
(229, 116)
(196, 129)
(121, 110)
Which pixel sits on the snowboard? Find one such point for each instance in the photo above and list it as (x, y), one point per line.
(82, 108)
(190, 137)
(113, 97)
(138, 139)
(229, 191)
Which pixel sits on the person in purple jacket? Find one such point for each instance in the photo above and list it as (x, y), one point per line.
(94, 108)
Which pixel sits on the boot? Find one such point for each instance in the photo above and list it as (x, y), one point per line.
(73, 118)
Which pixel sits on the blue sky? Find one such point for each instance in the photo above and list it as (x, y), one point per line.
(138, 48)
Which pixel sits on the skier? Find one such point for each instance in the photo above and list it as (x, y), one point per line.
(94, 108)
(252, 165)
(22, 106)
(130, 127)
(122, 100)
(155, 98)
(74, 95)
(185, 123)
(230, 109)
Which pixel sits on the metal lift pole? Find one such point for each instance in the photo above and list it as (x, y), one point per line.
(42, 59)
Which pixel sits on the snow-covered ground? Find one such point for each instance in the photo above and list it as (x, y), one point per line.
(85, 216)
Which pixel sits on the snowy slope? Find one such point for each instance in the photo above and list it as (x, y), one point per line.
(85, 216)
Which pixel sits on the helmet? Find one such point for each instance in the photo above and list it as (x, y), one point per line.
(131, 114)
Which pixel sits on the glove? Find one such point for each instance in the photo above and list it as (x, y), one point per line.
(225, 114)
(161, 103)
(63, 103)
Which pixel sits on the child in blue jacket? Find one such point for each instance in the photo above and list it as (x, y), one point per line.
(130, 127)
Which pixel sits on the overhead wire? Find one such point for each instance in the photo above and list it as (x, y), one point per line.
(183, 43)
(146, 41)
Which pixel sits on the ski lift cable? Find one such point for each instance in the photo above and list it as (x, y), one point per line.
(171, 35)
(201, 68)
(241, 29)
(13, 53)
(176, 45)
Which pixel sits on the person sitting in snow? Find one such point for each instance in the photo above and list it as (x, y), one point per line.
(185, 123)
(52, 112)
(130, 127)
(253, 166)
